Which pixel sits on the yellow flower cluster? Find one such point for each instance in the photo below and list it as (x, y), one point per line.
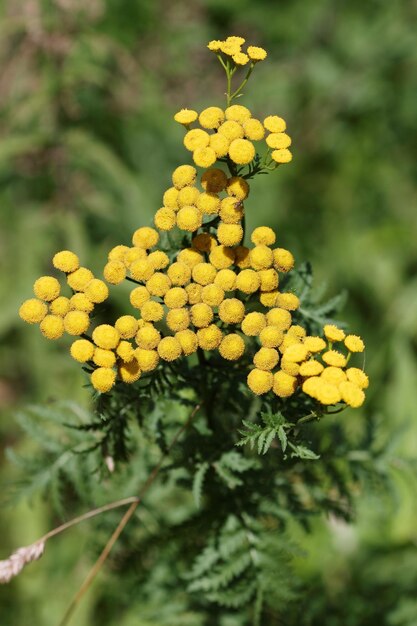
(213, 294)
(56, 313)
(230, 133)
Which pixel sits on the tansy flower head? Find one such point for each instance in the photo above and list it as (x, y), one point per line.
(279, 318)
(52, 326)
(184, 175)
(104, 358)
(278, 141)
(230, 47)
(118, 253)
(126, 326)
(289, 367)
(283, 259)
(169, 349)
(212, 295)
(333, 357)
(231, 130)
(310, 368)
(253, 323)
(220, 144)
(82, 350)
(189, 218)
(263, 235)
(271, 337)
(256, 54)
(237, 187)
(269, 283)
(314, 344)
(204, 273)
(253, 129)
(46, 288)
(241, 151)
(225, 279)
(222, 257)
(178, 319)
(165, 219)
(129, 372)
(288, 301)
(147, 359)
(196, 138)
(60, 306)
(333, 333)
(334, 375)
(240, 58)
(351, 394)
(170, 198)
(296, 353)
(187, 196)
(190, 256)
(231, 311)
(158, 284)
(238, 113)
(248, 281)
(80, 302)
(187, 340)
(133, 254)
(125, 351)
(186, 116)
(96, 291)
(103, 379)
(33, 311)
(204, 242)
(284, 385)
(76, 322)
(231, 210)
(214, 180)
(211, 117)
(106, 336)
(176, 297)
(139, 296)
(148, 337)
(114, 272)
(354, 343)
(242, 257)
(327, 393)
(208, 203)
(275, 124)
(179, 273)
(281, 156)
(266, 359)
(215, 45)
(201, 315)
(141, 270)
(66, 261)
(232, 347)
(152, 311)
(260, 381)
(158, 259)
(209, 338)
(261, 257)
(194, 291)
(358, 377)
(205, 156)
(267, 298)
(145, 237)
(79, 279)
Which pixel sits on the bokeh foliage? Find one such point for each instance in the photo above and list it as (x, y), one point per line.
(88, 90)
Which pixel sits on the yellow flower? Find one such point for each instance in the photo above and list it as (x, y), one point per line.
(238, 113)
(104, 358)
(215, 45)
(186, 116)
(225, 279)
(145, 237)
(271, 337)
(281, 156)
(129, 372)
(232, 347)
(66, 261)
(289, 340)
(222, 257)
(253, 129)
(103, 379)
(231, 210)
(184, 175)
(147, 359)
(76, 322)
(296, 353)
(256, 54)
(242, 257)
(283, 259)
(266, 359)
(208, 203)
(327, 393)
(204, 157)
(187, 196)
(204, 242)
(60, 306)
(259, 381)
(230, 47)
(33, 311)
(269, 283)
(314, 344)
(261, 257)
(211, 117)
(267, 298)
(196, 138)
(231, 130)
(310, 368)
(333, 333)
(139, 296)
(289, 367)
(263, 236)
(358, 377)
(165, 219)
(278, 140)
(194, 292)
(158, 284)
(231, 311)
(176, 297)
(46, 288)
(220, 144)
(333, 357)
(279, 318)
(82, 350)
(126, 326)
(229, 234)
(178, 319)
(106, 336)
(288, 301)
(237, 187)
(80, 302)
(248, 281)
(284, 384)
(214, 180)
(97, 291)
(209, 338)
(201, 315)
(148, 337)
(125, 351)
(114, 272)
(170, 198)
(142, 270)
(158, 259)
(118, 253)
(253, 323)
(179, 273)
(190, 257)
(241, 151)
(240, 58)
(275, 124)
(351, 394)
(152, 311)
(212, 295)
(169, 349)
(334, 375)
(189, 218)
(204, 273)
(52, 326)
(188, 341)
(132, 255)
(354, 343)
(297, 331)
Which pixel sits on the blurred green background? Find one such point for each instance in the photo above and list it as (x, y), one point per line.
(87, 144)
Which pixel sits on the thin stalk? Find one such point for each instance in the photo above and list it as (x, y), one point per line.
(243, 83)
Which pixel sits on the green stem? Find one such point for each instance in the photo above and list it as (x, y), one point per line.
(243, 83)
